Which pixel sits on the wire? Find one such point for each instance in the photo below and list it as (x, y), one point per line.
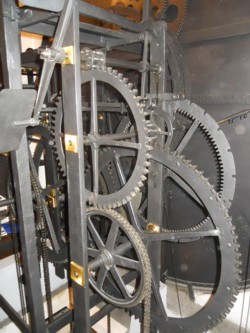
(242, 113)
(172, 257)
(244, 293)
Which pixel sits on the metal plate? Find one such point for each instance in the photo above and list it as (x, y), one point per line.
(15, 105)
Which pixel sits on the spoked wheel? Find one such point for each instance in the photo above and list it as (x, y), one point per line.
(119, 266)
(211, 223)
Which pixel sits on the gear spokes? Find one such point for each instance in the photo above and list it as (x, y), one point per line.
(219, 228)
(99, 136)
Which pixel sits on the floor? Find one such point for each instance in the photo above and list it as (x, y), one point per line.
(121, 322)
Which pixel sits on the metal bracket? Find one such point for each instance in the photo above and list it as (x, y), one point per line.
(52, 198)
(16, 106)
(69, 52)
(154, 228)
(71, 144)
(77, 273)
(52, 55)
(168, 97)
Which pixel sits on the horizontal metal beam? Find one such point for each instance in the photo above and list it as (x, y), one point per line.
(53, 6)
(213, 33)
(60, 319)
(180, 236)
(222, 99)
(103, 15)
(29, 17)
(7, 202)
(106, 309)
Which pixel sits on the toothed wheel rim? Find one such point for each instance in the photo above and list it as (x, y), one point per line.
(125, 193)
(223, 298)
(217, 140)
(175, 13)
(56, 130)
(113, 266)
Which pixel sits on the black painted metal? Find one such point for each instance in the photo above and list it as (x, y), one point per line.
(15, 108)
(14, 316)
(219, 80)
(60, 319)
(216, 50)
(7, 202)
(75, 174)
(20, 167)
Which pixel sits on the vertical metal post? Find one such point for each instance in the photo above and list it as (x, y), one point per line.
(75, 173)
(10, 44)
(155, 183)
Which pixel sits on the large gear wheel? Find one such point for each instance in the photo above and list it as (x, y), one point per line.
(175, 13)
(115, 250)
(136, 140)
(196, 134)
(214, 310)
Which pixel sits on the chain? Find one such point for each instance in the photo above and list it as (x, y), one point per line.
(42, 231)
(18, 266)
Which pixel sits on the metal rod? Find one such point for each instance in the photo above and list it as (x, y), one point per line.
(7, 202)
(49, 65)
(20, 166)
(144, 75)
(71, 85)
(14, 316)
(60, 319)
(130, 207)
(103, 15)
(101, 313)
(187, 236)
(51, 230)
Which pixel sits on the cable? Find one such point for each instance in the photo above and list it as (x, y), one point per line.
(244, 294)
(172, 258)
(18, 267)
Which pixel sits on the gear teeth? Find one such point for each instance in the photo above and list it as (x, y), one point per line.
(143, 164)
(129, 198)
(124, 201)
(133, 194)
(109, 70)
(135, 92)
(120, 76)
(149, 148)
(130, 85)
